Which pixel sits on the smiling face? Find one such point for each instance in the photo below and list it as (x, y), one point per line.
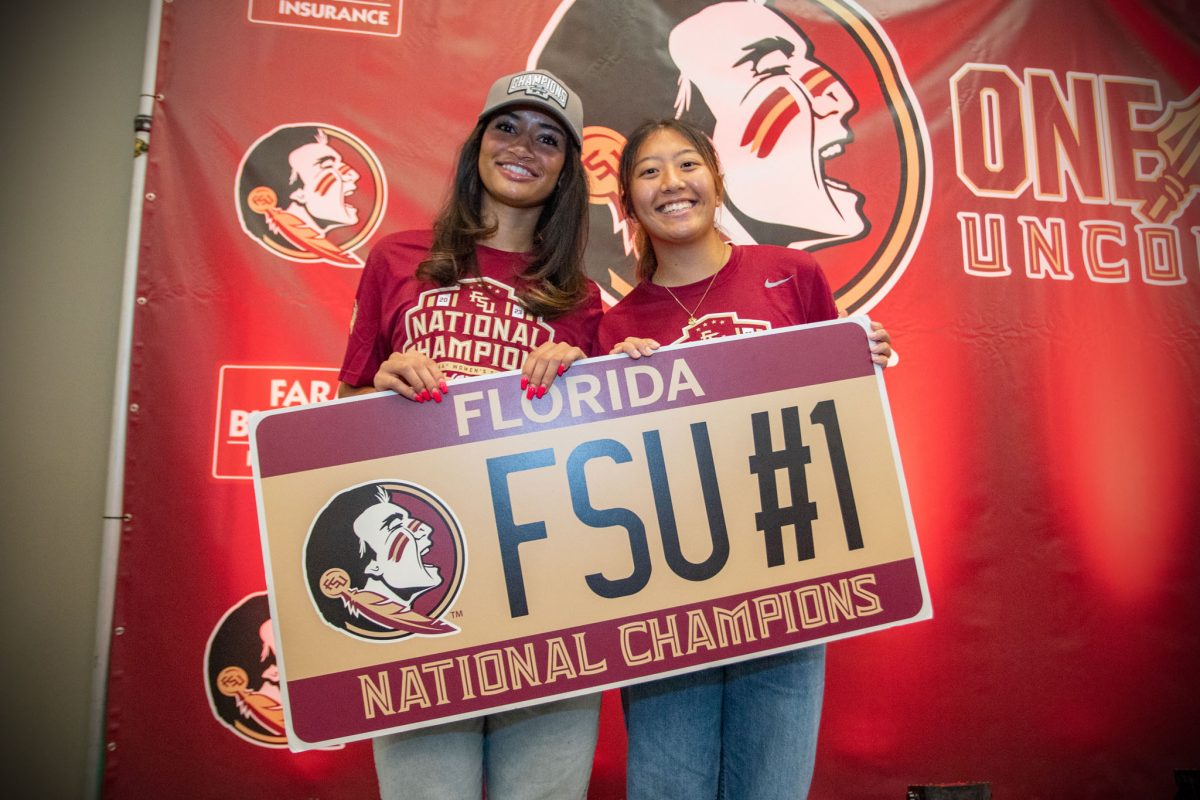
(521, 156)
(780, 114)
(671, 189)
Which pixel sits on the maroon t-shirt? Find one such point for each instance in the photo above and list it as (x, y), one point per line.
(760, 287)
(475, 327)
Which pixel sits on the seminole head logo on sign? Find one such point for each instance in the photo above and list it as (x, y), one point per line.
(818, 132)
(385, 560)
(311, 194)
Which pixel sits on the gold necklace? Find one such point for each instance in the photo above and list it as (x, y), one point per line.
(692, 314)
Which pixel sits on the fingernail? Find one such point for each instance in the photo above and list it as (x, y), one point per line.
(524, 383)
(541, 392)
(561, 369)
(437, 396)
(425, 394)
(418, 398)
(529, 393)
(445, 388)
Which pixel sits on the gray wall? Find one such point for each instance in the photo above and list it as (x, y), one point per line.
(71, 75)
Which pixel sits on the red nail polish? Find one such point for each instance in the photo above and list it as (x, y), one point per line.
(444, 387)
(541, 392)
(530, 392)
(418, 398)
(524, 383)
(425, 395)
(561, 369)
(437, 396)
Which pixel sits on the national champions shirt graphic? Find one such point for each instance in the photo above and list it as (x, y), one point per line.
(476, 327)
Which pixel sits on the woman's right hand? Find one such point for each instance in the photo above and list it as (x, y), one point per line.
(412, 374)
(635, 347)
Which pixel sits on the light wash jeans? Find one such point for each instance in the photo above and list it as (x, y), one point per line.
(541, 752)
(747, 731)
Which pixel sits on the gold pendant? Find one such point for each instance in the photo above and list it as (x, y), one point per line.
(691, 320)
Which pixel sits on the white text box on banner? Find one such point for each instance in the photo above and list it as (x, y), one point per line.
(712, 503)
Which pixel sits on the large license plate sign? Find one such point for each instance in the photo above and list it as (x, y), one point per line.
(711, 503)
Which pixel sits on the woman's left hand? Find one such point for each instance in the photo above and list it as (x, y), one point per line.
(547, 361)
(635, 347)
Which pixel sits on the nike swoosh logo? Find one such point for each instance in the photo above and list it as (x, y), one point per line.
(780, 282)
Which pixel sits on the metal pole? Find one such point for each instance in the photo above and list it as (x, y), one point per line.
(114, 513)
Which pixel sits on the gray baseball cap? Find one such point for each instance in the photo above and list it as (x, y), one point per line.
(540, 88)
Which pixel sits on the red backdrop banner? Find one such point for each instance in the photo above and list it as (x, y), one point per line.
(1009, 187)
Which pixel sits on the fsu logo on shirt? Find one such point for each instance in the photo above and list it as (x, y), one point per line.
(714, 326)
(818, 132)
(474, 328)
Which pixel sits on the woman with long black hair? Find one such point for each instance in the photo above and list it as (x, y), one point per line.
(496, 285)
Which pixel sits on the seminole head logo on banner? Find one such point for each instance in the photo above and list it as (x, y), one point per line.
(311, 193)
(385, 560)
(818, 132)
(241, 675)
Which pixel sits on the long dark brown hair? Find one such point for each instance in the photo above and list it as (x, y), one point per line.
(553, 281)
(647, 263)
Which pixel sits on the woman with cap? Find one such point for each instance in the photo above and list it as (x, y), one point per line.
(502, 272)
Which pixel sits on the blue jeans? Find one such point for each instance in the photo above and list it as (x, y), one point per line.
(541, 752)
(746, 731)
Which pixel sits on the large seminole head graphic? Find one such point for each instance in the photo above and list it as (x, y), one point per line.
(384, 561)
(817, 131)
(777, 115)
